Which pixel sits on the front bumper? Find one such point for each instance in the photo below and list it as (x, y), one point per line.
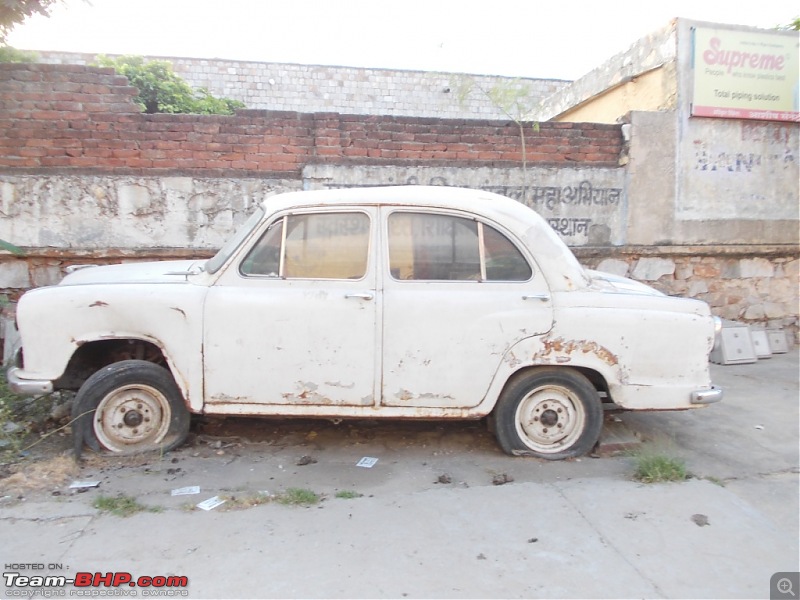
(27, 387)
(707, 396)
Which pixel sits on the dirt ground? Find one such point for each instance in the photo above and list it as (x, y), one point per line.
(244, 456)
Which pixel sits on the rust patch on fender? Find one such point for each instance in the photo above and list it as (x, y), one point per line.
(572, 347)
(98, 303)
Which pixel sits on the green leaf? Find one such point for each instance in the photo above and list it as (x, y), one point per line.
(11, 248)
(161, 90)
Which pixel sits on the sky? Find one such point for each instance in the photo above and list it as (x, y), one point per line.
(558, 39)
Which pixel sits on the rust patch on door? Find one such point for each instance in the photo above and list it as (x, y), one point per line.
(405, 395)
(307, 394)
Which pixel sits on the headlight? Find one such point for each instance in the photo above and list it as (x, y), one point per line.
(717, 332)
(717, 326)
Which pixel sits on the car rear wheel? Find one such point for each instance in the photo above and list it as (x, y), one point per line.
(551, 413)
(130, 407)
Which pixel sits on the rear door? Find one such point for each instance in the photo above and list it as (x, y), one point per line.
(458, 293)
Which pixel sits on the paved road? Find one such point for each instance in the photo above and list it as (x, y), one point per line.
(429, 521)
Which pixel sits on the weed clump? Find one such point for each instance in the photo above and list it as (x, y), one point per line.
(22, 416)
(122, 506)
(653, 467)
(348, 494)
(298, 497)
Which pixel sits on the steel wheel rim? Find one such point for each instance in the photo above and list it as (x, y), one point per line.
(550, 419)
(132, 416)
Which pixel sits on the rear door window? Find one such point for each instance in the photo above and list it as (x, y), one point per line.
(438, 247)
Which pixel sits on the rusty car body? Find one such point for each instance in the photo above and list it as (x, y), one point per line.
(395, 302)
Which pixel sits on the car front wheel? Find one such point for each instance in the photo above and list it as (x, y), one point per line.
(551, 413)
(130, 407)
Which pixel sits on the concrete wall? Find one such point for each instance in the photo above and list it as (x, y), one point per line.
(587, 206)
(85, 178)
(738, 181)
(654, 52)
(344, 90)
(692, 180)
(651, 91)
(90, 214)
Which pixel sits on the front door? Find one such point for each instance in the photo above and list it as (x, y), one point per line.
(294, 322)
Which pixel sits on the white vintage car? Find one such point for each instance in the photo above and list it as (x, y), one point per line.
(396, 302)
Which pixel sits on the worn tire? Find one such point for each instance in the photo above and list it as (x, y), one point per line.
(129, 407)
(550, 413)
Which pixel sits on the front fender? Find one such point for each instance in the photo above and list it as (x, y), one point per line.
(556, 350)
(55, 321)
(650, 358)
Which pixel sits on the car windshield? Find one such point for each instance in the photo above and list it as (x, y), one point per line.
(219, 259)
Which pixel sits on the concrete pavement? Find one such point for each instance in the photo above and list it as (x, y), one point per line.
(430, 523)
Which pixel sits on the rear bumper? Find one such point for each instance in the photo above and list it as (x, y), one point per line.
(707, 396)
(27, 387)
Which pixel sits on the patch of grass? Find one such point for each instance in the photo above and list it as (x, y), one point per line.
(19, 417)
(13, 421)
(348, 494)
(122, 506)
(298, 497)
(247, 501)
(653, 466)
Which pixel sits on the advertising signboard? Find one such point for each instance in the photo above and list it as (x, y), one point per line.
(745, 75)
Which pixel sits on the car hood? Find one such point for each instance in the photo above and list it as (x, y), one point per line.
(606, 282)
(168, 271)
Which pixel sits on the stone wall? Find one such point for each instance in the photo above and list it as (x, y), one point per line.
(759, 290)
(344, 90)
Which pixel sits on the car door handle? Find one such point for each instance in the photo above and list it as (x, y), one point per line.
(360, 295)
(542, 297)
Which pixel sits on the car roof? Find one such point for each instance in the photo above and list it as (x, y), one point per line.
(487, 204)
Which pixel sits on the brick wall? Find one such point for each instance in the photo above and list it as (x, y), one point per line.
(68, 116)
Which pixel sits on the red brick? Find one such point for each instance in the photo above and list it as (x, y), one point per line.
(55, 161)
(325, 151)
(92, 88)
(39, 142)
(124, 153)
(355, 152)
(15, 161)
(206, 128)
(217, 164)
(139, 163)
(98, 152)
(30, 151)
(49, 115)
